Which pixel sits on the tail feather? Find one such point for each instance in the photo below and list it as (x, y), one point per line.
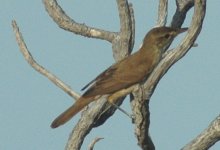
(71, 111)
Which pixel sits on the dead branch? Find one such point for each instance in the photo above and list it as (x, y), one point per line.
(176, 54)
(28, 57)
(122, 45)
(92, 144)
(183, 6)
(162, 13)
(140, 107)
(66, 23)
(207, 138)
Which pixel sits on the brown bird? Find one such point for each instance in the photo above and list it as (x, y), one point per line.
(125, 73)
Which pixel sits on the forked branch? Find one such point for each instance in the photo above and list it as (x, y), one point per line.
(140, 108)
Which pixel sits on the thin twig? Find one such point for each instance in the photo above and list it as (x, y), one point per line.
(92, 144)
(28, 57)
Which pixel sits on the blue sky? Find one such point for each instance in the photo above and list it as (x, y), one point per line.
(183, 104)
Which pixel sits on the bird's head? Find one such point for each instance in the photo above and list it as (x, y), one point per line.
(161, 36)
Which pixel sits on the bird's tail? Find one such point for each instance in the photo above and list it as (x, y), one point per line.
(71, 111)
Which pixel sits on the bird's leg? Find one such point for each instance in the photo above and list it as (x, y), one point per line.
(123, 111)
(112, 100)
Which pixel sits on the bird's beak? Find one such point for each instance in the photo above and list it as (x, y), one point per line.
(181, 30)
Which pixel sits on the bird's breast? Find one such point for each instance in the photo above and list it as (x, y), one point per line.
(151, 58)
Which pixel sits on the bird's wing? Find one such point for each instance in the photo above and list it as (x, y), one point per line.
(107, 73)
(120, 75)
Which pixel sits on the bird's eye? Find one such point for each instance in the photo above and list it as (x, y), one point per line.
(167, 36)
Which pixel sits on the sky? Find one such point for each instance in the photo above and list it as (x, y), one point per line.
(185, 101)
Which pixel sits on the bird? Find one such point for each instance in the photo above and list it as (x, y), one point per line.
(125, 73)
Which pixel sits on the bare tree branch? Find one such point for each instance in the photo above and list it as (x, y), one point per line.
(140, 109)
(141, 98)
(132, 39)
(121, 45)
(162, 13)
(118, 55)
(176, 54)
(207, 138)
(66, 23)
(92, 144)
(183, 6)
(28, 57)
(120, 50)
(85, 124)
